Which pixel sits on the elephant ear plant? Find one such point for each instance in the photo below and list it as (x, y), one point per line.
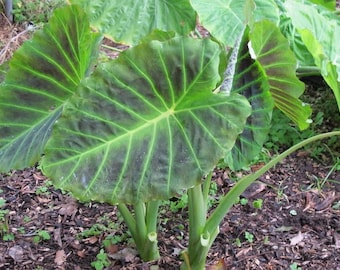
(151, 124)
(141, 128)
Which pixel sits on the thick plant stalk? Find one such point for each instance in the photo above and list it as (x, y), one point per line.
(307, 71)
(199, 242)
(143, 228)
(197, 219)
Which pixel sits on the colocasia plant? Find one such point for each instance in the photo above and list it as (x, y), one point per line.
(153, 123)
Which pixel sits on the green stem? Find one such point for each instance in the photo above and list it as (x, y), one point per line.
(199, 242)
(206, 187)
(140, 215)
(111, 48)
(228, 200)
(197, 215)
(306, 71)
(197, 32)
(128, 218)
(143, 228)
(146, 223)
(196, 255)
(152, 215)
(151, 225)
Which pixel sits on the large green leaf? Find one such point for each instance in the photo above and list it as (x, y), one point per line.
(329, 70)
(43, 74)
(146, 125)
(320, 33)
(269, 76)
(290, 31)
(247, 78)
(304, 57)
(226, 19)
(130, 20)
(270, 48)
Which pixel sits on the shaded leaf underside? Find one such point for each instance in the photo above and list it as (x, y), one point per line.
(272, 69)
(278, 63)
(146, 126)
(250, 81)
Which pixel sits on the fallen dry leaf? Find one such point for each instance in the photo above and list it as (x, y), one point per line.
(243, 252)
(38, 177)
(57, 236)
(253, 190)
(296, 239)
(125, 255)
(337, 239)
(310, 204)
(330, 198)
(221, 265)
(111, 248)
(16, 253)
(284, 229)
(81, 253)
(68, 209)
(60, 257)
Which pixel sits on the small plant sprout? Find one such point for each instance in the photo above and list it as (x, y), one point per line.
(44, 189)
(249, 237)
(258, 203)
(95, 230)
(294, 266)
(336, 205)
(112, 240)
(2, 202)
(4, 227)
(243, 201)
(27, 219)
(41, 235)
(8, 237)
(102, 261)
(266, 240)
(238, 242)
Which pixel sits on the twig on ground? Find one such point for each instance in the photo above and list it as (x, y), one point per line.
(13, 38)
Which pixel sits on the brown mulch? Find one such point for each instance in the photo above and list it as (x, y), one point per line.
(298, 224)
(11, 37)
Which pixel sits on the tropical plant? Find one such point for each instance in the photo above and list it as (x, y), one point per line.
(152, 123)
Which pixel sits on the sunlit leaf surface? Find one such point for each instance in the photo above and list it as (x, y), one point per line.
(43, 74)
(320, 32)
(130, 21)
(226, 19)
(146, 125)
